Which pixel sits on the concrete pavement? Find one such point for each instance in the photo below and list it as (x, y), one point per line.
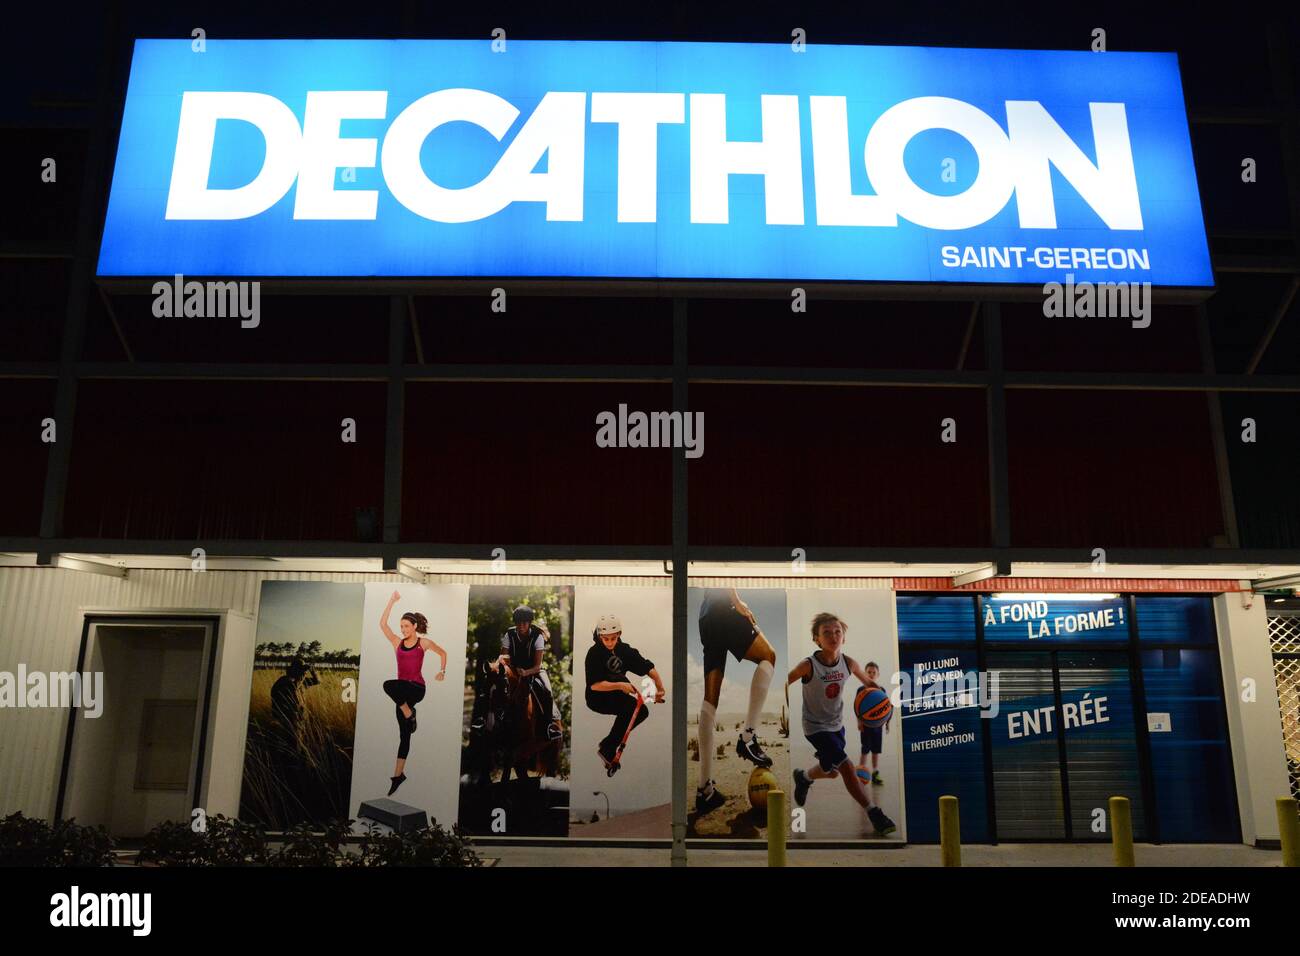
(1010, 854)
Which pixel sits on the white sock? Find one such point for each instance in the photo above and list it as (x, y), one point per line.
(708, 715)
(758, 693)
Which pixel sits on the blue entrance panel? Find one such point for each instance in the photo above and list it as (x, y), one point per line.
(942, 741)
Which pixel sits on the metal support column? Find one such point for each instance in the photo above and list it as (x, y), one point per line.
(393, 429)
(1218, 433)
(999, 475)
(81, 277)
(680, 529)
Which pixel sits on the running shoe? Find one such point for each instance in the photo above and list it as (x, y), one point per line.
(876, 778)
(751, 751)
(884, 826)
(607, 759)
(801, 785)
(710, 801)
(412, 720)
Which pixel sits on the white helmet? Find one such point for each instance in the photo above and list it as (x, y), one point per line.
(609, 624)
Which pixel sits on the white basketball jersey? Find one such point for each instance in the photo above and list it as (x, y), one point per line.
(822, 707)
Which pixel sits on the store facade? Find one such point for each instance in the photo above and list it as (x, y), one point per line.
(1043, 563)
(1121, 694)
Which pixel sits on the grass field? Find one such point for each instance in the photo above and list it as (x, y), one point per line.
(288, 781)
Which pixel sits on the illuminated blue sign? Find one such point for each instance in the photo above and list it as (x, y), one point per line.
(1055, 618)
(653, 161)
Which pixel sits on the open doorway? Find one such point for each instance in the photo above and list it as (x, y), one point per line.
(141, 761)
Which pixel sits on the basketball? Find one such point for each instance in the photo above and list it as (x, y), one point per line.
(760, 782)
(873, 706)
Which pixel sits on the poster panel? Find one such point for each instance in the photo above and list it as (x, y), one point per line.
(846, 773)
(410, 701)
(298, 758)
(622, 674)
(737, 728)
(517, 706)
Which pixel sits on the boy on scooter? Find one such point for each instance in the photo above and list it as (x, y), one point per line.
(609, 691)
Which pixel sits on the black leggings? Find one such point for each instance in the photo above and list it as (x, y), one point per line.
(619, 705)
(404, 692)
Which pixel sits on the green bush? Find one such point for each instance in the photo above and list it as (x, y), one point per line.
(231, 842)
(430, 846)
(228, 842)
(25, 841)
(174, 844)
(303, 846)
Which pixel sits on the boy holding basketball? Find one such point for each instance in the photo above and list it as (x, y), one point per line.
(824, 674)
(872, 739)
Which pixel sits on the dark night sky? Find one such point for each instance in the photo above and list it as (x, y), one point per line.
(51, 52)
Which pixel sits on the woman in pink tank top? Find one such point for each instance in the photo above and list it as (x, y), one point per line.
(408, 689)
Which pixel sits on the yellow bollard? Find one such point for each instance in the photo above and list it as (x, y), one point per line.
(1121, 831)
(1288, 825)
(776, 823)
(949, 832)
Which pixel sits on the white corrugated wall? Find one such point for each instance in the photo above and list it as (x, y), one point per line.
(40, 628)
